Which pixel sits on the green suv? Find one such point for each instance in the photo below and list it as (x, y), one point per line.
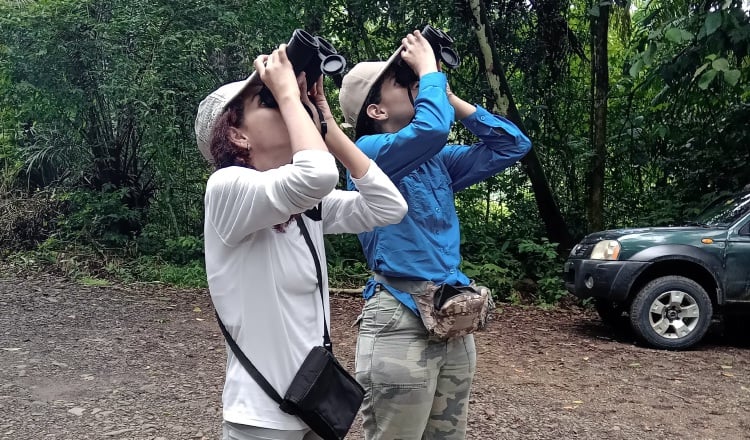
(669, 281)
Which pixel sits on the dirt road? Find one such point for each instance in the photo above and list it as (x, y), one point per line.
(146, 362)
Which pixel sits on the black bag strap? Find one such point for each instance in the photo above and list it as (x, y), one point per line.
(305, 233)
(254, 373)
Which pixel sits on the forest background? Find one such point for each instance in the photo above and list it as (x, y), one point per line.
(638, 112)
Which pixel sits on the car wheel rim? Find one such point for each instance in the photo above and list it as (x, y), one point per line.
(674, 314)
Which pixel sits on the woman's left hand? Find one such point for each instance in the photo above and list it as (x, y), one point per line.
(318, 98)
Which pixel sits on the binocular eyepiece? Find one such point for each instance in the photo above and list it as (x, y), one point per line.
(310, 54)
(314, 56)
(441, 44)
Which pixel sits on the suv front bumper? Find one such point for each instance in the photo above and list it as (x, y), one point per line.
(600, 278)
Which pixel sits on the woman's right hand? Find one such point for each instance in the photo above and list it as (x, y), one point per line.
(418, 54)
(277, 74)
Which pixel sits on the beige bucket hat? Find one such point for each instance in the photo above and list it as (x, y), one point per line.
(356, 86)
(212, 106)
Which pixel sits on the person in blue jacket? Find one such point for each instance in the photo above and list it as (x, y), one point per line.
(417, 386)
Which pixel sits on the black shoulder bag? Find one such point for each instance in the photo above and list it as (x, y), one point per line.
(323, 394)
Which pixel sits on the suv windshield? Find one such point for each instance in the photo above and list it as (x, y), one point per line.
(725, 210)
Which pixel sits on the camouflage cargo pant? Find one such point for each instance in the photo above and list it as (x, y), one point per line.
(417, 387)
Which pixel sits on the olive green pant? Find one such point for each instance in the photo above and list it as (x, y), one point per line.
(417, 387)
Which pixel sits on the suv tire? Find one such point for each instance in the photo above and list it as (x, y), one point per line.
(671, 312)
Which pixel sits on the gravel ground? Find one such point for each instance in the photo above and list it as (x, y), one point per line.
(146, 361)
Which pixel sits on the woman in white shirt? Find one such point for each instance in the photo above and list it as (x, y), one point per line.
(273, 165)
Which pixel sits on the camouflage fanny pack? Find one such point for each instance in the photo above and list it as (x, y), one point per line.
(447, 311)
(454, 311)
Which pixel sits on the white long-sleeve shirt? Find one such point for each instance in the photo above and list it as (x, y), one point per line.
(263, 282)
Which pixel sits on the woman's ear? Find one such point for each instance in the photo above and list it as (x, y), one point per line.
(238, 138)
(377, 112)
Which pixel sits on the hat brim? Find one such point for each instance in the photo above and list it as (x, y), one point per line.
(252, 80)
(379, 76)
(390, 61)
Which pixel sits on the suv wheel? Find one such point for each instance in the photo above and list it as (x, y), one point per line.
(671, 312)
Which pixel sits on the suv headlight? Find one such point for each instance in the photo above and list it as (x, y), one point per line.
(606, 250)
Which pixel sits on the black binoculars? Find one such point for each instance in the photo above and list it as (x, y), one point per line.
(441, 45)
(314, 56)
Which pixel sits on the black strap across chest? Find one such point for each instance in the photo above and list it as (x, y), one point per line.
(254, 373)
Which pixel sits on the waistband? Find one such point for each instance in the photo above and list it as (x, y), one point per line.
(402, 284)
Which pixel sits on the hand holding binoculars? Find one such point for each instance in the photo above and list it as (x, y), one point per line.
(441, 45)
(313, 55)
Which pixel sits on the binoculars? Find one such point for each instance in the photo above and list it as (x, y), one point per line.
(441, 45)
(314, 56)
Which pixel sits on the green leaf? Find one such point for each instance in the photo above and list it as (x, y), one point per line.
(700, 70)
(731, 77)
(685, 35)
(648, 54)
(706, 79)
(674, 35)
(636, 68)
(594, 11)
(720, 64)
(713, 21)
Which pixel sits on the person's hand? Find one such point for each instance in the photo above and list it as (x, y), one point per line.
(418, 54)
(318, 98)
(277, 74)
(462, 108)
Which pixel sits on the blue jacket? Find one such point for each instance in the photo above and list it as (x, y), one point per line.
(426, 244)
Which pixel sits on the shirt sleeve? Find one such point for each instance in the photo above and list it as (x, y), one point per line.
(501, 145)
(376, 203)
(400, 153)
(240, 201)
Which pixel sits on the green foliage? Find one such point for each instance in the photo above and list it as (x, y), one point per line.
(500, 280)
(98, 217)
(154, 269)
(346, 265)
(543, 263)
(182, 250)
(90, 281)
(97, 102)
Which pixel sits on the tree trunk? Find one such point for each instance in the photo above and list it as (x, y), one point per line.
(556, 227)
(600, 92)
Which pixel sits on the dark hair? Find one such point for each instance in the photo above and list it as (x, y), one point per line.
(223, 150)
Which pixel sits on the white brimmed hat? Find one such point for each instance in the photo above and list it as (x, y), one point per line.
(212, 107)
(356, 86)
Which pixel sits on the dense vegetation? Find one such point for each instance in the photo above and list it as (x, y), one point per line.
(638, 112)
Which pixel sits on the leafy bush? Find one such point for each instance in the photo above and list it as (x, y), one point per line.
(99, 217)
(543, 264)
(500, 280)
